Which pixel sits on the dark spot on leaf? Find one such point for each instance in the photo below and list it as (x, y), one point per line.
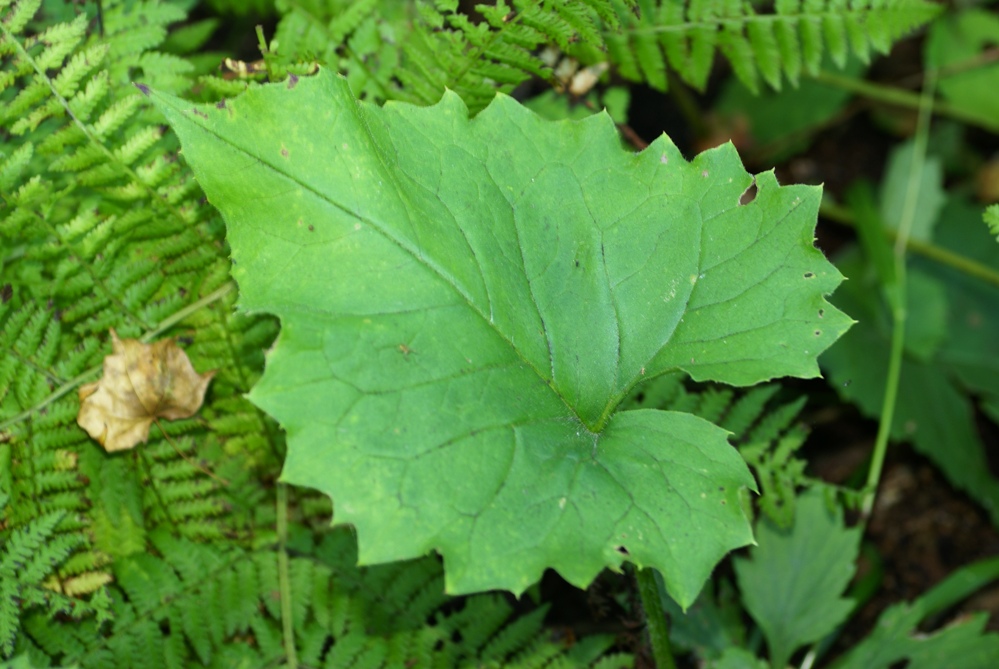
(143, 88)
(311, 228)
(809, 275)
(577, 263)
(220, 104)
(721, 488)
(284, 152)
(818, 333)
(6, 293)
(724, 503)
(822, 313)
(198, 112)
(622, 550)
(292, 81)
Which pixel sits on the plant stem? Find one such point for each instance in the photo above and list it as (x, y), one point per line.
(841, 214)
(284, 580)
(903, 98)
(180, 315)
(897, 299)
(655, 618)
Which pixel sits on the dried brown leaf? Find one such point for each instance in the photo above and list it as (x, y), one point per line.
(141, 382)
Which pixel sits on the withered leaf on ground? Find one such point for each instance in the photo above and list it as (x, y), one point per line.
(141, 382)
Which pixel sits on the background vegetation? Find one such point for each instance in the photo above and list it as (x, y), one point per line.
(141, 559)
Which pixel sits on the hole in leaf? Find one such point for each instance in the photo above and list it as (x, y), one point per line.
(818, 333)
(822, 313)
(749, 194)
(622, 550)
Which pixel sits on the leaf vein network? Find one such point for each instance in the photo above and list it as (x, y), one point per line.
(401, 243)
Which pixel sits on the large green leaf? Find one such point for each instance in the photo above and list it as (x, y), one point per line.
(465, 303)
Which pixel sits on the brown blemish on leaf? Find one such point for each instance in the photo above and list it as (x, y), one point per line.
(6, 293)
(284, 151)
(292, 81)
(141, 382)
(220, 104)
(311, 228)
(198, 112)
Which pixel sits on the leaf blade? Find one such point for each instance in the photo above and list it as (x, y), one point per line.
(464, 303)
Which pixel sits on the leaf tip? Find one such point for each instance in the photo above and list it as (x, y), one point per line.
(142, 88)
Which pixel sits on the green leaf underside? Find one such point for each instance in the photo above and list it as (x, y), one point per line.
(464, 303)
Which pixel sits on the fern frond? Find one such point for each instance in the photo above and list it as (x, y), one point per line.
(110, 231)
(28, 556)
(991, 218)
(744, 412)
(769, 46)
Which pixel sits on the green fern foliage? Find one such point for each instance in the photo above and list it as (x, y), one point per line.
(387, 53)
(477, 59)
(219, 608)
(991, 218)
(28, 557)
(360, 38)
(100, 227)
(165, 555)
(390, 51)
(684, 36)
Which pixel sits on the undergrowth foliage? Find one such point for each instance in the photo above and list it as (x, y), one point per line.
(389, 54)
(139, 558)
